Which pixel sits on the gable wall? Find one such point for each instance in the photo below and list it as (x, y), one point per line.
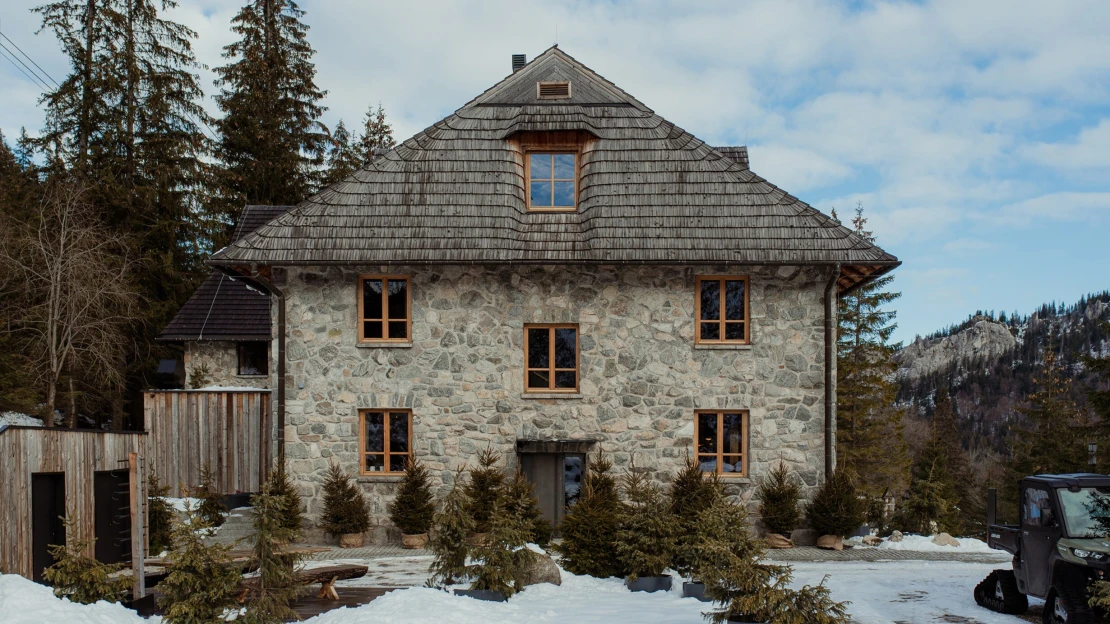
(220, 358)
(641, 376)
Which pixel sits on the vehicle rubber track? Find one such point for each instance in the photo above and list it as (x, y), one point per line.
(1001, 582)
(1075, 602)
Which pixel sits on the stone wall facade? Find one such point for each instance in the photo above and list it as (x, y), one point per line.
(220, 360)
(642, 376)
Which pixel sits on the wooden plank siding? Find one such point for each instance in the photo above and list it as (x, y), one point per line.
(78, 453)
(227, 430)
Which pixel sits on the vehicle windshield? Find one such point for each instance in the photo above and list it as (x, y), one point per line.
(1086, 512)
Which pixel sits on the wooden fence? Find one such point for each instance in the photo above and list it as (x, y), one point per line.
(75, 455)
(230, 431)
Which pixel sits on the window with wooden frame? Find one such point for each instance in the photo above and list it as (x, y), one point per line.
(254, 358)
(384, 308)
(722, 310)
(552, 179)
(384, 440)
(551, 358)
(722, 441)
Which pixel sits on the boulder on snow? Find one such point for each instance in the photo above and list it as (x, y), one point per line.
(896, 536)
(830, 542)
(540, 568)
(804, 537)
(944, 539)
(777, 541)
(872, 540)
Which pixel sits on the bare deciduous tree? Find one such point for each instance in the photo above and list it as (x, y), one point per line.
(75, 278)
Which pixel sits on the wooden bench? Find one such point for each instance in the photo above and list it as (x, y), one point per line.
(326, 577)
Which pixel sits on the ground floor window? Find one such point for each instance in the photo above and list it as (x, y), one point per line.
(722, 441)
(385, 440)
(254, 358)
(551, 358)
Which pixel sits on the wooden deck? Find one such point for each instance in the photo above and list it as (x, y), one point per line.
(310, 605)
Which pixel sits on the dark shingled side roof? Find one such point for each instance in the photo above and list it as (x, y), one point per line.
(223, 308)
(650, 192)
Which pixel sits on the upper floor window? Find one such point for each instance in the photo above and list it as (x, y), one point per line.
(722, 310)
(552, 180)
(551, 358)
(722, 439)
(254, 358)
(384, 308)
(385, 440)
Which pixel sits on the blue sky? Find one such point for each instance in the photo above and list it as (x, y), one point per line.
(976, 133)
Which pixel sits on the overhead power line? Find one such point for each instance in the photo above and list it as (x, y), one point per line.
(25, 55)
(14, 60)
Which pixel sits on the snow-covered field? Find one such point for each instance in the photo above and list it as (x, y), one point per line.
(880, 592)
(922, 543)
(17, 419)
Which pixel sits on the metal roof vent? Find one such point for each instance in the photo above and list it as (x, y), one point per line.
(553, 90)
(519, 61)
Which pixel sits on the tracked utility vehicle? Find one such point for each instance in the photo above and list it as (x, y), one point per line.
(1060, 547)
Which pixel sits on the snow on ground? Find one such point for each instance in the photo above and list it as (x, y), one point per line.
(388, 572)
(179, 504)
(24, 602)
(922, 543)
(21, 420)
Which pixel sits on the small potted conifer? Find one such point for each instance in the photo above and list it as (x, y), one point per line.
(835, 511)
(345, 515)
(779, 494)
(646, 538)
(482, 491)
(590, 527)
(412, 511)
(449, 542)
(692, 492)
(500, 557)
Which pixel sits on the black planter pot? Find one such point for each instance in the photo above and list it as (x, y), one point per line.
(742, 619)
(695, 590)
(649, 584)
(482, 594)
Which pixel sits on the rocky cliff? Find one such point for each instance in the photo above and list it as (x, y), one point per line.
(982, 338)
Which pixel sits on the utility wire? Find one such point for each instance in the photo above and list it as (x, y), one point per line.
(13, 60)
(30, 59)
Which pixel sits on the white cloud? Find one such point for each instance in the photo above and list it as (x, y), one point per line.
(1092, 208)
(1090, 149)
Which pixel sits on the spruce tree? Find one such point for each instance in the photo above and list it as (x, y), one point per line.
(941, 481)
(453, 525)
(268, 602)
(692, 492)
(928, 499)
(483, 489)
(413, 509)
(202, 583)
(836, 508)
(271, 143)
(343, 157)
(289, 501)
(499, 558)
(591, 525)
(212, 507)
(344, 505)
(81, 578)
(377, 135)
(647, 535)
(522, 501)
(159, 515)
(869, 441)
(779, 494)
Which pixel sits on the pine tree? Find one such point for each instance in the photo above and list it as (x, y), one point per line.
(500, 557)
(344, 505)
(291, 510)
(836, 508)
(377, 135)
(159, 515)
(591, 525)
(692, 492)
(521, 495)
(18, 188)
(928, 499)
(448, 543)
(212, 507)
(413, 509)
(81, 578)
(646, 538)
(202, 583)
(271, 142)
(779, 494)
(483, 488)
(941, 481)
(268, 602)
(343, 157)
(1099, 399)
(869, 440)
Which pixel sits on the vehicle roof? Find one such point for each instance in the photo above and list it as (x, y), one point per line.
(1079, 479)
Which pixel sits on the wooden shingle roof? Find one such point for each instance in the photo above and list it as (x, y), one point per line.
(223, 308)
(650, 192)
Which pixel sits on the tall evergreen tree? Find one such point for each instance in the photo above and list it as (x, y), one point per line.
(343, 159)
(272, 144)
(377, 135)
(942, 471)
(870, 445)
(18, 187)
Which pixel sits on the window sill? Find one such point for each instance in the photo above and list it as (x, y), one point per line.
(551, 395)
(384, 345)
(253, 376)
(731, 479)
(384, 478)
(723, 346)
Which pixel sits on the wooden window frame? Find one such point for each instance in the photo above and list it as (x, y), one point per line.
(385, 453)
(723, 321)
(362, 320)
(551, 370)
(240, 346)
(551, 149)
(719, 455)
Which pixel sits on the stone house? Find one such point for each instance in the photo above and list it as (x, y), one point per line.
(553, 270)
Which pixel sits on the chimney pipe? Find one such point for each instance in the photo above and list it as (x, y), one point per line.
(519, 61)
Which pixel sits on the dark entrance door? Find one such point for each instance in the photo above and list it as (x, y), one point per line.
(557, 478)
(48, 506)
(112, 510)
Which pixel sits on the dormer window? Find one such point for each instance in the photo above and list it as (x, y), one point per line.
(552, 180)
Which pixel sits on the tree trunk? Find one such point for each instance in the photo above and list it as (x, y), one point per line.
(71, 420)
(117, 414)
(51, 395)
(85, 128)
